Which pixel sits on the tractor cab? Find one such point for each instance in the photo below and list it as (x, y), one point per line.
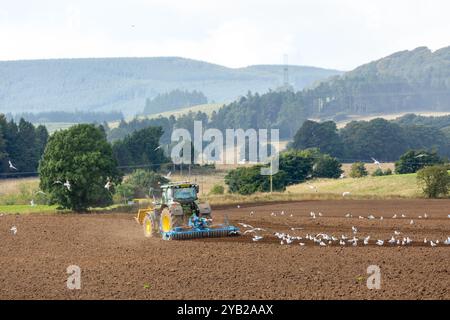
(179, 192)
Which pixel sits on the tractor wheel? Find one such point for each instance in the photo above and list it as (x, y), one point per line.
(150, 225)
(169, 221)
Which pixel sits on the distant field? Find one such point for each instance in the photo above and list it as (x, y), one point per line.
(206, 108)
(391, 116)
(54, 126)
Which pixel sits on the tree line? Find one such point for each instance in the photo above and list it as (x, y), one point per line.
(22, 144)
(68, 117)
(363, 140)
(174, 99)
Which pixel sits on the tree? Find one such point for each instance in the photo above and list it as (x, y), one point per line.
(141, 148)
(358, 170)
(248, 180)
(434, 180)
(297, 165)
(217, 189)
(327, 167)
(143, 183)
(323, 136)
(414, 160)
(81, 156)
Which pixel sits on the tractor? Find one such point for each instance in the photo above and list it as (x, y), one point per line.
(179, 214)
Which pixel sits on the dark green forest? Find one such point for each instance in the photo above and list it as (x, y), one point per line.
(173, 100)
(21, 143)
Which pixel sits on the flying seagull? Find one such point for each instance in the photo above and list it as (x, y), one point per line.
(108, 184)
(157, 148)
(67, 185)
(375, 161)
(346, 193)
(11, 166)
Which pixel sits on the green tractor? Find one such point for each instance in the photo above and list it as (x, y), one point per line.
(180, 215)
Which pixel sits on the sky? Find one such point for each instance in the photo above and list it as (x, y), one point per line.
(338, 34)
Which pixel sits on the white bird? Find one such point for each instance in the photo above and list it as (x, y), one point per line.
(282, 213)
(376, 162)
(348, 215)
(238, 206)
(108, 184)
(342, 176)
(40, 191)
(346, 193)
(381, 218)
(354, 230)
(302, 244)
(273, 214)
(380, 242)
(448, 216)
(420, 156)
(157, 148)
(257, 238)
(32, 203)
(433, 244)
(320, 214)
(371, 217)
(251, 213)
(411, 222)
(167, 176)
(361, 217)
(403, 216)
(13, 230)
(312, 187)
(394, 216)
(392, 240)
(425, 240)
(11, 166)
(396, 233)
(447, 241)
(322, 244)
(425, 216)
(254, 230)
(366, 240)
(67, 185)
(342, 242)
(246, 225)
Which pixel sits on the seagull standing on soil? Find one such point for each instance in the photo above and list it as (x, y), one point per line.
(380, 242)
(257, 238)
(13, 230)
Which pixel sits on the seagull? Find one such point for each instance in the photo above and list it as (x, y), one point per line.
(348, 215)
(354, 230)
(238, 206)
(433, 244)
(448, 216)
(380, 242)
(157, 148)
(32, 203)
(322, 244)
(302, 244)
(425, 216)
(381, 218)
(411, 222)
(11, 166)
(371, 217)
(396, 233)
(375, 161)
(447, 241)
(13, 230)
(420, 155)
(282, 213)
(67, 185)
(320, 214)
(403, 216)
(366, 240)
(257, 238)
(251, 213)
(342, 242)
(361, 217)
(425, 240)
(253, 230)
(246, 225)
(392, 240)
(394, 216)
(108, 184)
(167, 176)
(273, 214)
(342, 176)
(346, 193)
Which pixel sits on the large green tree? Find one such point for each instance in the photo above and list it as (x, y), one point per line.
(82, 157)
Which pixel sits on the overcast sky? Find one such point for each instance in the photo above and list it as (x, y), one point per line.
(340, 34)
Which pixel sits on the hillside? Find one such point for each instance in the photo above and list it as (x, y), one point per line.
(123, 84)
(416, 80)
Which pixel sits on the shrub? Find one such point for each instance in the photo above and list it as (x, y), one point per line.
(327, 167)
(412, 161)
(139, 184)
(388, 172)
(217, 189)
(358, 170)
(378, 173)
(434, 180)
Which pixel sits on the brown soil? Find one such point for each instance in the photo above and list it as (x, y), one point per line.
(118, 262)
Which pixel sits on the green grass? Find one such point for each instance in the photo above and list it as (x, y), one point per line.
(393, 186)
(27, 209)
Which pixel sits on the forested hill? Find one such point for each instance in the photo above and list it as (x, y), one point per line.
(404, 81)
(124, 84)
(407, 81)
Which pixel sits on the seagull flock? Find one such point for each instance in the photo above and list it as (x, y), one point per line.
(353, 238)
